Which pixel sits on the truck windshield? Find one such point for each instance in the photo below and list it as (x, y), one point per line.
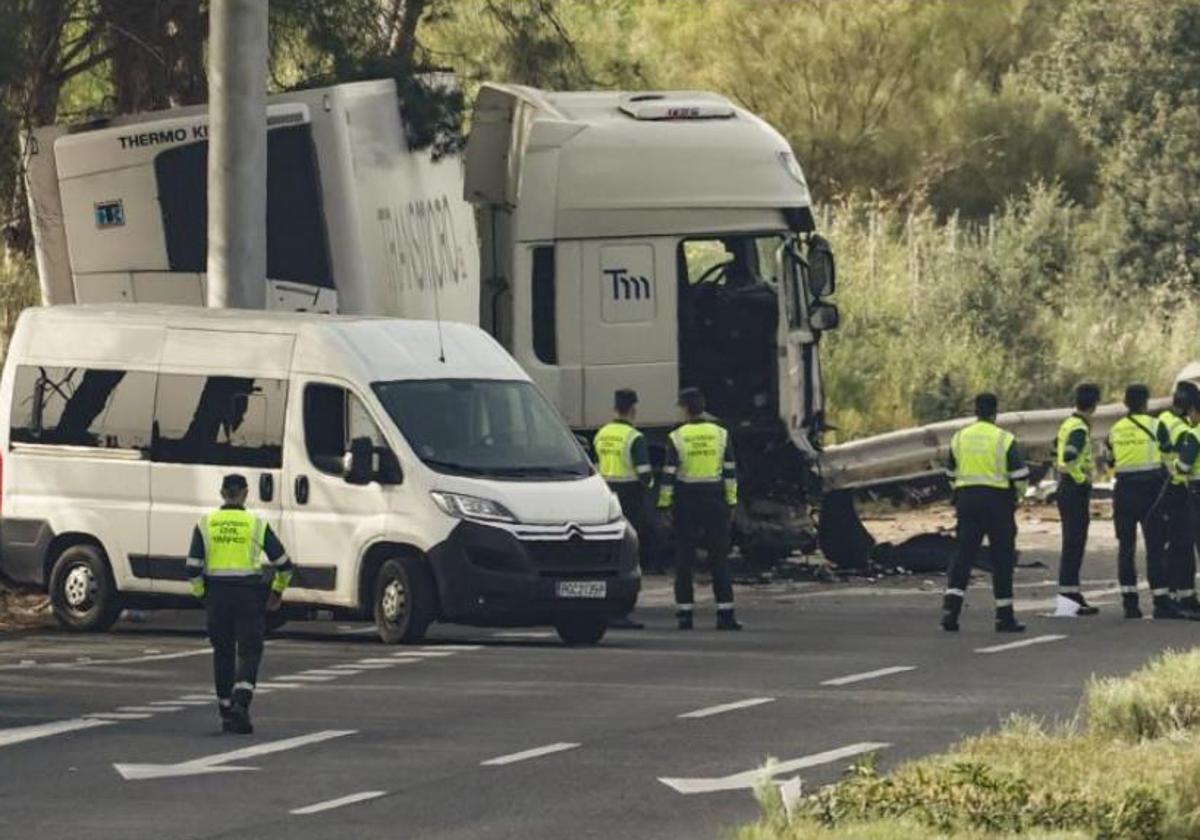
(499, 429)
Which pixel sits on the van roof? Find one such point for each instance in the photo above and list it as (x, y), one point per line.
(360, 347)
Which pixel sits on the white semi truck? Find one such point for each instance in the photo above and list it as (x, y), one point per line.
(647, 240)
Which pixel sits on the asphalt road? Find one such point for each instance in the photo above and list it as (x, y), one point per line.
(488, 734)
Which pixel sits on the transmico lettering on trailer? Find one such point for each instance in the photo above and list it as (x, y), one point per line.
(627, 291)
(421, 245)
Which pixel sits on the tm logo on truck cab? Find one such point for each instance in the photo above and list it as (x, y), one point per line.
(626, 286)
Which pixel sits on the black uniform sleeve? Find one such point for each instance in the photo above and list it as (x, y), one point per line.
(274, 550)
(196, 559)
(1076, 442)
(666, 491)
(640, 453)
(1189, 451)
(1164, 437)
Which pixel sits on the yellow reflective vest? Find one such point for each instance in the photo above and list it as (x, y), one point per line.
(614, 452)
(980, 457)
(1080, 465)
(1133, 442)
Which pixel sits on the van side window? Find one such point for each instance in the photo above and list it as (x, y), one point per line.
(231, 421)
(545, 319)
(332, 418)
(103, 409)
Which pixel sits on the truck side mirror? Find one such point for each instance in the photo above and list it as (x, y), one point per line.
(824, 317)
(822, 271)
(357, 462)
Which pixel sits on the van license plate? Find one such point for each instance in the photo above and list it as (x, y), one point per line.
(582, 589)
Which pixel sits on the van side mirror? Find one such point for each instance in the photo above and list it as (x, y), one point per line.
(822, 271)
(824, 317)
(357, 462)
(389, 471)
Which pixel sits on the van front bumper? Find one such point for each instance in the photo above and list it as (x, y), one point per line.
(486, 576)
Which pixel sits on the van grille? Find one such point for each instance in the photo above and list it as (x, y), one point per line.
(575, 558)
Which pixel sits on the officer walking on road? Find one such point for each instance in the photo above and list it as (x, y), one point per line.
(624, 462)
(989, 479)
(1181, 552)
(1076, 466)
(700, 461)
(1187, 464)
(1133, 446)
(225, 569)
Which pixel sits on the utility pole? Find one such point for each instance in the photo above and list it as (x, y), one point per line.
(237, 154)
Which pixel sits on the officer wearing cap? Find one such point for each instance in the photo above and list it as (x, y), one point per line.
(623, 460)
(226, 570)
(700, 461)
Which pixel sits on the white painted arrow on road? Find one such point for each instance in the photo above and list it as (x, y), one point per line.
(750, 779)
(219, 763)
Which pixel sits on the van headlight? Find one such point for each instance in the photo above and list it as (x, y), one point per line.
(471, 507)
(614, 507)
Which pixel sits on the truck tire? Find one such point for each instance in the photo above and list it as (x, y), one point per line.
(405, 601)
(581, 631)
(83, 594)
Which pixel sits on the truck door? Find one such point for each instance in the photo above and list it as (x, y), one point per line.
(801, 397)
(629, 326)
(219, 408)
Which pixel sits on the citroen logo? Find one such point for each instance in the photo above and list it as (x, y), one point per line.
(574, 532)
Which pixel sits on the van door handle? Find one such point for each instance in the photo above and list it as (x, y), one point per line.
(266, 487)
(301, 489)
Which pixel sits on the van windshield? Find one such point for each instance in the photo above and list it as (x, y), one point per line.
(480, 427)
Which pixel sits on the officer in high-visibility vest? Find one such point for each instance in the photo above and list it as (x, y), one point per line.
(989, 477)
(1142, 481)
(226, 570)
(1181, 551)
(624, 462)
(699, 485)
(1076, 466)
(1187, 465)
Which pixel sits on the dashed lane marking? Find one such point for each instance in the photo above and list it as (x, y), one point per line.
(340, 802)
(308, 678)
(524, 634)
(88, 662)
(153, 710)
(20, 734)
(525, 755)
(119, 716)
(750, 779)
(275, 685)
(220, 763)
(1036, 640)
(869, 675)
(728, 707)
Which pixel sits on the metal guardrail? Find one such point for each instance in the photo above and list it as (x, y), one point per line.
(920, 452)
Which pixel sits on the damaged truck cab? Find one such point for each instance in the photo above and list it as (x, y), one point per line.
(657, 241)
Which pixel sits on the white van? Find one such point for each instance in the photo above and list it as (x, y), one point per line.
(413, 470)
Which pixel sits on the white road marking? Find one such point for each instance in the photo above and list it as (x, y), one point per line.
(308, 678)
(19, 734)
(189, 702)
(115, 716)
(751, 778)
(1036, 640)
(728, 707)
(338, 803)
(347, 669)
(524, 634)
(870, 675)
(452, 647)
(151, 709)
(349, 631)
(405, 657)
(278, 685)
(360, 668)
(85, 662)
(536, 752)
(212, 698)
(376, 661)
(429, 654)
(219, 763)
(322, 672)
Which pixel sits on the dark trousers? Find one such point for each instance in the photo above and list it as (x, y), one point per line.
(1075, 512)
(1136, 501)
(702, 519)
(635, 504)
(1187, 574)
(236, 627)
(985, 512)
(1181, 546)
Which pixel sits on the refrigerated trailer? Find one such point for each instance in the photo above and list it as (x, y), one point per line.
(651, 240)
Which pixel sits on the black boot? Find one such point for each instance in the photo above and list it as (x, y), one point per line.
(1084, 607)
(226, 718)
(624, 622)
(727, 621)
(1130, 603)
(239, 720)
(1006, 621)
(951, 607)
(684, 619)
(1165, 609)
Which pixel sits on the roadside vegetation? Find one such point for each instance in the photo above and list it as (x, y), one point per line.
(1127, 768)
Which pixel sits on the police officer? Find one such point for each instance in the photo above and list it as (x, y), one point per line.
(700, 461)
(226, 572)
(989, 478)
(624, 462)
(1187, 464)
(1133, 447)
(1181, 554)
(1076, 467)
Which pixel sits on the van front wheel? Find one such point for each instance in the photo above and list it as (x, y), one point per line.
(404, 601)
(82, 592)
(581, 631)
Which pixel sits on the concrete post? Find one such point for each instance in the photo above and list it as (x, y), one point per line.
(237, 154)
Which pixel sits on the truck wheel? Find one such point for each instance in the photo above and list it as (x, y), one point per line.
(581, 631)
(82, 591)
(405, 602)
